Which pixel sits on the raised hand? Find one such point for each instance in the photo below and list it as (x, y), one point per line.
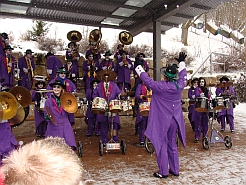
(182, 57)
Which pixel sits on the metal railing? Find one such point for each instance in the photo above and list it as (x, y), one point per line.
(210, 64)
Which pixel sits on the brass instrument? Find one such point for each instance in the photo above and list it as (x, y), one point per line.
(74, 36)
(22, 95)
(9, 105)
(125, 37)
(95, 37)
(19, 117)
(16, 71)
(69, 102)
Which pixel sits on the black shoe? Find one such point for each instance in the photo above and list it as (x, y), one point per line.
(176, 175)
(88, 135)
(222, 130)
(196, 140)
(232, 131)
(157, 175)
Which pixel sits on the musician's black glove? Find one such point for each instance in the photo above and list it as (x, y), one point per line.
(144, 98)
(182, 57)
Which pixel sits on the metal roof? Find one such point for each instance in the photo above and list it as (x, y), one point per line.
(135, 16)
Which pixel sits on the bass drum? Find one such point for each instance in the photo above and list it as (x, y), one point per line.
(26, 110)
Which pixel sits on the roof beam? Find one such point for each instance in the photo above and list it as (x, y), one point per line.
(169, 24)
(202, 7)
(67, 9)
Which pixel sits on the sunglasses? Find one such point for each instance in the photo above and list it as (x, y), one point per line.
(57, 86)
(140, 56)
(63, 73)
(202, 81)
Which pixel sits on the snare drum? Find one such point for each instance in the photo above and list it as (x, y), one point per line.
(144, 108)
(218, 103)
(115, 106)
(202, 104)
(227, 103)
(126, 106)
(98, 105)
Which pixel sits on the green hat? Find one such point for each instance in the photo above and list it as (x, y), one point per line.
(107, 53)
(62, 70)
(169, 71)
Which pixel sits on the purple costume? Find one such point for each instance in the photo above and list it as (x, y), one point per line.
(7, 140)
(226, 114)
(90, 117)
(114, 93)
(191, 108)
(166, 120)
(145, 65)
(72, 72)
(200, 118)
(26, 79)
(53, 64)
(75, 63)
(9, 77)
(89, 72)
(96, 56)
(141, 121)
(2, 46)
(124, 72)
(40, 121)
(63, 128)
(106, 65)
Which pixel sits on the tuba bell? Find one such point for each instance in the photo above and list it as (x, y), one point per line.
(125, 37)
(95, 37)
(74, 36)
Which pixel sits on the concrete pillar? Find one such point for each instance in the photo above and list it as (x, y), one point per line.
(157, 50)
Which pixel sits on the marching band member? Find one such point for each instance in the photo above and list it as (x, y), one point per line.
(7, 67)
(201, 118)
(62, 128)
(109, 91)
(92, 47)
(106, 63)
(140, 61)
(165, 116)
(226, 113)
(141, 121)
(72, 70)
(119, 52)
(3, 44)
(123, 69)
(90, 67)
(192, 96)
(40, 121)
(72, 53)
(69, 86)
(27, 67)
(90, 117)
(52, 65)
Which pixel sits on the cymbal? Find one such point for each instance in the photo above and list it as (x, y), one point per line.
(22, 95)
(106, 75)
(69, 102)
(9, 105)
(19, 117)
(226, 84)
(51, 116)
(1, 112)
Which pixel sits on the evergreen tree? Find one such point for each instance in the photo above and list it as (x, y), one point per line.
(40, 28)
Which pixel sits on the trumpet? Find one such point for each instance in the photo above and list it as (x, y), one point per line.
(16, 70)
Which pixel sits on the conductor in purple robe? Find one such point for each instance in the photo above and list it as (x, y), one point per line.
(3, 38)
(165, 116)
(192, 96)
(7, 67)
(109, 91)
(123, 68)
(26, 66)
(39, 98)
(52, 65)
(107, 63)
(57, 117)
(226, 114)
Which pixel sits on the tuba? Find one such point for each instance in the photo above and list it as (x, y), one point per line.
(95, 37)
(125, 38)
(74, 36)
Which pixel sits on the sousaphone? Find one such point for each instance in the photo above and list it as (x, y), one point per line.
(69, 102)
(22, 95)
(74, 36)
(125, 37)
(9, 105)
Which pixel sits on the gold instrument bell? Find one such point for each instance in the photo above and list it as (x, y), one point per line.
(125, 37)
(74, 36)
(9, 105)
(22, 95)
(69, 102)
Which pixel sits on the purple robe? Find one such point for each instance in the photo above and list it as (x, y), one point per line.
(40, 121)
(25, 81)
(145, 66)
(166, 120)
(73, 71)
(88, 73)
(96, 56)
(191, 108)
(2, 46)
(106, 65)
(9, 77)
(7, 140)
(53, 63)
(75, 63)
(63, 128)
(124, 71)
